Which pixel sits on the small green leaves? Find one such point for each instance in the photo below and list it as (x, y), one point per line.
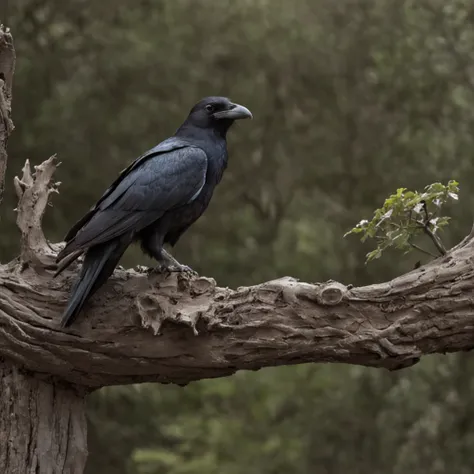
(406, 215)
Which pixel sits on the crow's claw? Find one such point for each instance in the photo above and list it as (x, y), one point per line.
(158, 269)
(182, 269)
(161, 269)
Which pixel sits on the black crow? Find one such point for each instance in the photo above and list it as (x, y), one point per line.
(153, 201)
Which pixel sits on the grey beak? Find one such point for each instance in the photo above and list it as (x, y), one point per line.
(235, 112)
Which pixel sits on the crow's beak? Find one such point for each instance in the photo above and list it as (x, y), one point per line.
(235, 112)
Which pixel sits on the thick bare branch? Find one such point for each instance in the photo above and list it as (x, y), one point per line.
(7, 66)
(145, 327)
(178, 329)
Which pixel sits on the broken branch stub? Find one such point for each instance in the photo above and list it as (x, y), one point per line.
(33, 191)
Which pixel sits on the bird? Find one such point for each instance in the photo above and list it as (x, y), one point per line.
(153, 201)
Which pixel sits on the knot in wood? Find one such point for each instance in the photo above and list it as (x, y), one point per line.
(332, 293)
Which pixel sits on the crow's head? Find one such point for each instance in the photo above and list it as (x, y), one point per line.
(217, 113)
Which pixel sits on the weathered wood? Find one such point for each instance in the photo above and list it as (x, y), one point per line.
(7, 67)
(42, 425)
(144, 327)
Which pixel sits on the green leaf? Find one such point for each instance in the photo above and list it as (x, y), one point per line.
(377, 253)
(403, 217)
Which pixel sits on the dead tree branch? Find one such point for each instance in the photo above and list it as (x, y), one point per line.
(175, 329)
(7, 66)
(33, 191)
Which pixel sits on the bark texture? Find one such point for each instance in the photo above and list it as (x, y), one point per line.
(7, 66)
(142, 327)
(42, 425)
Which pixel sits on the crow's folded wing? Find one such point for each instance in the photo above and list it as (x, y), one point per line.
(148, 189)
(168, 145)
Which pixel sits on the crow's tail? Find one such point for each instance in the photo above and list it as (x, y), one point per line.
(99, 263)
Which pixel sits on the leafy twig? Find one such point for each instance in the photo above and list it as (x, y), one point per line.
(406, 215)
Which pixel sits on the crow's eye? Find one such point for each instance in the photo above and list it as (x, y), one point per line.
(210, 108)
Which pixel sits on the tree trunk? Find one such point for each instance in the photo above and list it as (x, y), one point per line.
(42, 425)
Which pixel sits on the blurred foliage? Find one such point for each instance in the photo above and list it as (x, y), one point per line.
(351, 99)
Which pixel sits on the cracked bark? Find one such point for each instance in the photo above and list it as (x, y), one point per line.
(38, 420)
(144, 327)
(7, 66)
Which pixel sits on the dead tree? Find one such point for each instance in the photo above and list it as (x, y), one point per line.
(175, 329)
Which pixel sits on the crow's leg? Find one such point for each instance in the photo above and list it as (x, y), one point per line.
(168, 263)
(152, 244)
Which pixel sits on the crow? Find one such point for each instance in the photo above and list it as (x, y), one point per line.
(153, 201)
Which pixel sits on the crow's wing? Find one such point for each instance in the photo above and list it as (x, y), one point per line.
(149, 188)
(171, 144)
